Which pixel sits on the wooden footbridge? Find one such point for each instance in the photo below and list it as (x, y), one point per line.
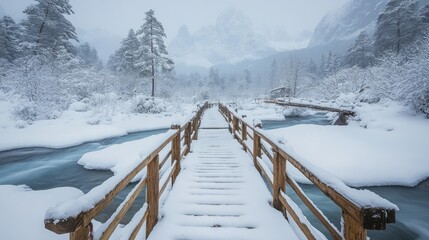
(204, 182)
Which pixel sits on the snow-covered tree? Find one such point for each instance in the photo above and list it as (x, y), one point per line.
(47, 30)
(361, 53)
(332, 64)
(396, 26)
(152, 54)
(89, 55)
(125, 58)
(9, 39)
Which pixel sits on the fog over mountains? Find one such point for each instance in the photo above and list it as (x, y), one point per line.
(233, 38)
(347, 22)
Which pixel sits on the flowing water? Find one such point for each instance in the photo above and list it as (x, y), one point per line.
(412, 220)
(45, 168)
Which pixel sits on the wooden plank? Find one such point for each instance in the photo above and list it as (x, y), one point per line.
(353, 210)
(332, 230)
(164, 160)
(263, 173)
(256, 150)
(165, 184)
(152, 194)
(175, 152)
(184, 153)
(82, 233)
(279, 181)
(267, 153)
(304, 228)
(353, 230)
(139, 226)
(72, 223)
(188, 141)
(112, 226)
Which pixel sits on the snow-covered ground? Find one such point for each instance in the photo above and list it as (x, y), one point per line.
(23, 211)
(82, 123)
(386, 144)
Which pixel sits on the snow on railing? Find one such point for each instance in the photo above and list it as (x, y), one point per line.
(76, 216)
(361, 209)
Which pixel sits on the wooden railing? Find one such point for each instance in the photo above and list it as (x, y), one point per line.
(79, 224)
(270, 160)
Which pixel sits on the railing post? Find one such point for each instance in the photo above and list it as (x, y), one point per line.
(352, 230)
(256, 149)
(175, 152)
(195, 126)
(82, 233)
(279, 181)
(244, 135)
(152, 194)
(188, 132)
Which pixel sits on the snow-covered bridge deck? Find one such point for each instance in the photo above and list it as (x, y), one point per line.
(217, 190)
(219, 194)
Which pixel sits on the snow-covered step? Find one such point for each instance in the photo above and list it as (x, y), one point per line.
(219, 194)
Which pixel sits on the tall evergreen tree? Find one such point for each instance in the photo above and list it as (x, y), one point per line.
(152, 53)
(396, 26)
(125, 58)
(47, 28)
(361, 53)
(9, 39)
(89, 55)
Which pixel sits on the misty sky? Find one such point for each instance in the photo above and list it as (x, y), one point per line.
(113, 18)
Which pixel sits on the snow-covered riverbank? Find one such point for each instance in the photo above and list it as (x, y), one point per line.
(385, 144)
(81, 123)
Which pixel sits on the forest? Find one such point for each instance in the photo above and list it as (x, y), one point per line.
(44, 68)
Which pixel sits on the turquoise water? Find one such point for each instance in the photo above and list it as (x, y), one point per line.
(44, 168)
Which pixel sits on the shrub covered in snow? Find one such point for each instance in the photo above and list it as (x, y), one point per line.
(25, 111)
(144, 104)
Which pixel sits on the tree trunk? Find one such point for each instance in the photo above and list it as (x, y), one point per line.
(153, 62)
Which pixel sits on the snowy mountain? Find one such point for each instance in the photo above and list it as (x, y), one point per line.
(231, 39)
(348, 21)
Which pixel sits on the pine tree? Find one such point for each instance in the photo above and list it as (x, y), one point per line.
(47, 29)
(89, 55)
(125, 58)
(152, 53)
(9, 39)
(361, 53)
(396, 26)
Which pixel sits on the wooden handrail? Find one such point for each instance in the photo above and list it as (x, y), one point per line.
(357, 218)
(80, 225)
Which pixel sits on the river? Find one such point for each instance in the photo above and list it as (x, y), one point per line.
(43, 168)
